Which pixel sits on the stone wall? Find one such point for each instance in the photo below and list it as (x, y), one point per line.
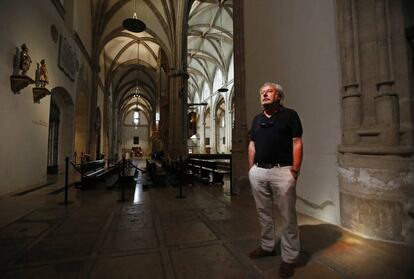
(24, 124)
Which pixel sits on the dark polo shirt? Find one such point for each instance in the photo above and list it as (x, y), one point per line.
(273, 136)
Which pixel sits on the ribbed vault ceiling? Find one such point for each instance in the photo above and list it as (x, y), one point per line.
(127, 59)
(210, 42)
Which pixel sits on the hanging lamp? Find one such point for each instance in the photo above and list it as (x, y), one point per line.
(223, 88)
(136, 94)
(134, 24)
(136, 115)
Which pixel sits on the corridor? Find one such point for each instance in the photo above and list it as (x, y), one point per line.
(155, 235)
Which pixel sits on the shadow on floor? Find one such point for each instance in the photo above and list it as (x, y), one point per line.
(314, 238)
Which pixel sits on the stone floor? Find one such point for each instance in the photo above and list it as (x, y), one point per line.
(154, 235)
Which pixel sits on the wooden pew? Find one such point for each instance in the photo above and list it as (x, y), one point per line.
(202, 165)
(92, 171)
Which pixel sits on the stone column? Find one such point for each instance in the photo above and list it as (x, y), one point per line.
(177, 137)
(351, 97)
(375, 166)
(96, 35)
(386, 102)
(156, 139)
(164, 123)
(228, 128)
(240, 134)
(92, 115)
(202, 132)
(213, 131)
(105, 124)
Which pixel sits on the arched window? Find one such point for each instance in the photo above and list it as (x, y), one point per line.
(218, 80)
(136, 117)
(206, 92)
(230, 74)
(196, 98)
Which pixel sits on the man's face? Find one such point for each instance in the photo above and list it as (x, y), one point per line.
(268, 95)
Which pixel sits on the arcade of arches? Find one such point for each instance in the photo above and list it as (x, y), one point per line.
(189, 83)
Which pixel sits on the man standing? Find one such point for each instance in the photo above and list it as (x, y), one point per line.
(275, 156)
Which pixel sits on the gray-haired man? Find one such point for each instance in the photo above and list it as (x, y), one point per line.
(275, 156)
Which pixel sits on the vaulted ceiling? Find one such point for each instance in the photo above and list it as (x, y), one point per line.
(128, 60)
(210, 42)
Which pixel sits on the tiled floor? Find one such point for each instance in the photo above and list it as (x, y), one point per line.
(155, 235)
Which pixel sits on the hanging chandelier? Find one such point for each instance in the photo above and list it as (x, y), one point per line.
(134, 24)
(223, 87)
(136, 115)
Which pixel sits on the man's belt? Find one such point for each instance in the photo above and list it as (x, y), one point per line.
(271, 165)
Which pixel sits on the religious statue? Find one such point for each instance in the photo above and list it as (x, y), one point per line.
(43, 77)
(25, 59)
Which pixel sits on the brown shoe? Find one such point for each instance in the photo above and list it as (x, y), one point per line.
(260, 253)
(286, 269)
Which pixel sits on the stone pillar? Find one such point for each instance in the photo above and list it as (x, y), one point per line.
(213, 131)
(386, 102)
(202, 132)
(240, 135)
(387, 115)
(156, 138)
(105, 124)
(164, 123)
(94, 93)
(351, 97)
(92, 115)
(375, 166)
(177, 128)
(228, 130)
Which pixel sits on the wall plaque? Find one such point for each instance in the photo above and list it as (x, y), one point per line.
(67, 58)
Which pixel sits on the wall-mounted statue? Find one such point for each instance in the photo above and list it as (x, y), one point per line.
(25, 59)
(21, 62)
(42, 80)
(43, 77)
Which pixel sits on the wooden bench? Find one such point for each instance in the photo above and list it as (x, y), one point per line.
(127, 172)
(92, 171)
(202, 165)
(221, 169)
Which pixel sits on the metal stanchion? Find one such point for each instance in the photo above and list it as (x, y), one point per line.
(231, 176)
(181, 181)
(122, 181)
(66, 179)
(66, 202)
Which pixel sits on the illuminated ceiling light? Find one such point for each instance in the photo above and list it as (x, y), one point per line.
(136, 116)
(134, 24)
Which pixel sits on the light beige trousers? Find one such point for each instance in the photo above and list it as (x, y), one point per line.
(279, 181)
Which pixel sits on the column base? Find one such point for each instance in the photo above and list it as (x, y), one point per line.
(377, 196)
